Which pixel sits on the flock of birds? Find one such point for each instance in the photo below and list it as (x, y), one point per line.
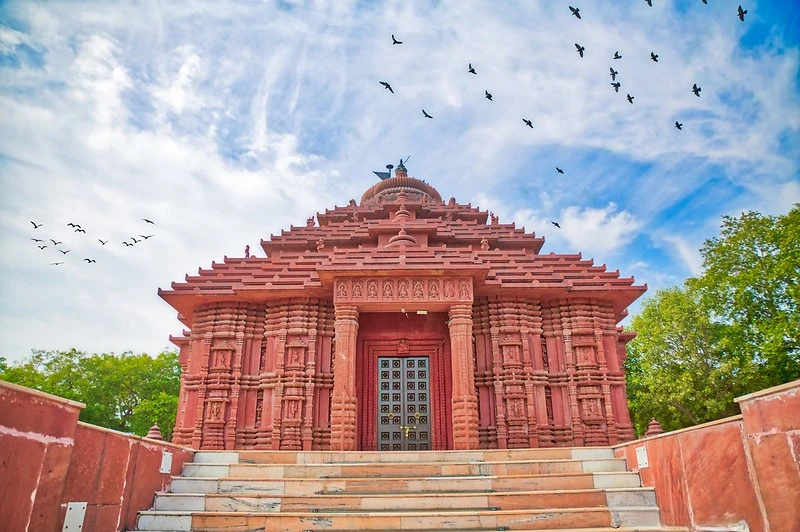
(58, 245)
(615, 84)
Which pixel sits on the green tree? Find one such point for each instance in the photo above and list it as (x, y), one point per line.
(124, 392)
(731, 331)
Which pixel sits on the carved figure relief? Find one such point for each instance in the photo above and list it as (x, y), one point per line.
(293, 409)
(320, 244)
(402, 346)
(464, 291)
(485, 244)
(449, 290)
(357, 290)
(372, 290)
(591, 408)
(419, 291)
(214, 411)
(341, 290)
(433, 290)
(388, 292)
(310, 222)
(402, 290)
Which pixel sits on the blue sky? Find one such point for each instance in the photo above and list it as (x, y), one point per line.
(227, 123)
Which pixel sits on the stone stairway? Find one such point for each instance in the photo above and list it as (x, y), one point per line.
(526, 489)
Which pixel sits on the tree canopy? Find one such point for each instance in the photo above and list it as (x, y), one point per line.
(124, 392)
(733, 330)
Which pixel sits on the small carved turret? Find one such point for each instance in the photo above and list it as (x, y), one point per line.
(653, 428)
(400, 171)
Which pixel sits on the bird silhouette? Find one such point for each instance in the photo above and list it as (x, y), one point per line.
(79, 230)
(147, 236)
(649, 2)
(387, 86)
(90, 261)
(42, 247)
(616, 55)
(37, 239)
(678, 125)
(654, 56)
(559, 170)
(630, 98)
(742, 13)
(103, 242)
(149, 221)
(127, 244)
(488, 95)
(575, 11)
(395, 41)
(73, 225)
(616, 86)
(35, 225)
(696, 90)
(471, 69)
(426, 115)
(580, 48)
(556, 224)
(528, 123)
(705, 2)
(613, 74)
(55, 263)
(55, 243)
(134, 240)
(64, 251)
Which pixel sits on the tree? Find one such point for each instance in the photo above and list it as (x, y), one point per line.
(124, 392)
(731, 331)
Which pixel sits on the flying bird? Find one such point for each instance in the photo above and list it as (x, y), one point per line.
(488, 95)
(616, 86)
(742, 13)
(64, 251)
(559, 170)
(90, 261)
(696, 90)
(55, 243)
(103, 242)
(126, 244)
(471, 69)
(630, 98)
(678, 125)
(654, 57)
(41, 247)
(55, 263)
(147, 236)
(426, 115)
(35, 225)
(37, 239)
(149, 221)
(387, 86)
(580, 48)
(73, 225)
(134, 240)
(649, 2)
(613, 74)
(79, 230)
(556, 224)
(528, 123)
(575, 11)
(395, 41)
(616, 55)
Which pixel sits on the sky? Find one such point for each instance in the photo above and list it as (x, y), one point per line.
(224, 123)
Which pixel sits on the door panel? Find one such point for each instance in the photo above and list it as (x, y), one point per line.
(404, 422)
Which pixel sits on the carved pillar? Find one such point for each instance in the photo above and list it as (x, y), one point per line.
(344, 402)
(465, 402)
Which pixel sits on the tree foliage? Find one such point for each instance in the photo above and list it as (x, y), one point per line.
(731, 331)
(124, 392)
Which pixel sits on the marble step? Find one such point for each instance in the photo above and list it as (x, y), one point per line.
(410, 520)
(522, 500)
(302, 486)
(322, 457)
(401, 469)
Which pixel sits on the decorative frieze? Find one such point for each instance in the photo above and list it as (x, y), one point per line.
(364, 290)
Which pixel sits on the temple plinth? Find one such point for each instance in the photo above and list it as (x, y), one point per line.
(402, 322)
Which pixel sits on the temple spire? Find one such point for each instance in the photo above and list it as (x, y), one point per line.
(400, 171)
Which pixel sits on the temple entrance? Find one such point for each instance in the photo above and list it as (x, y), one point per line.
(404, 404)
(403, 382)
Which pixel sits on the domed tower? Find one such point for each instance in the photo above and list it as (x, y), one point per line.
(402, 322)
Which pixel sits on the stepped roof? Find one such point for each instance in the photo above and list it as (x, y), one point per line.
(402, 227)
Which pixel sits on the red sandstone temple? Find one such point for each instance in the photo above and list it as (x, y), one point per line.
(402, 323)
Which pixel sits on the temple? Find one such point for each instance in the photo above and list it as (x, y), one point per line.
(402, 322)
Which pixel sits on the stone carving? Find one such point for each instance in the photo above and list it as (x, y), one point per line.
(433, 290)
(485, 244)
(449, 290)
(372, 290)
(320, 244)
(310, 222)
(463, 292)
(388, 291)
(341, 290)
(378, 290)
(247, 251)
(357, 290)
(402, 346)
(419, 290)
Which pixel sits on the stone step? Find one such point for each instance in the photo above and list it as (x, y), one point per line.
(521, 500)
(321, 457)
(418, 521)
(401, 469)
(302, 486)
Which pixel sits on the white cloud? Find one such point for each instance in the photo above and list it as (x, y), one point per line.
(688, 253)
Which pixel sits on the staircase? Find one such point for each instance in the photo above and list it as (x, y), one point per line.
(524, 489)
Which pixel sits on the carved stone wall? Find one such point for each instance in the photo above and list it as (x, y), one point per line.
(548, 374)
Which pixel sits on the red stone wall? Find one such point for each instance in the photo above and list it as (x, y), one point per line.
(548, 373)
(741, 469)
(48, 459)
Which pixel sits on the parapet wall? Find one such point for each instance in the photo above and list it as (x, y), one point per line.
(741, 472)
(49, 460)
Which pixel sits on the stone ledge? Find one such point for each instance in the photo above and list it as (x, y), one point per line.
(769, 391)
(44, 395)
